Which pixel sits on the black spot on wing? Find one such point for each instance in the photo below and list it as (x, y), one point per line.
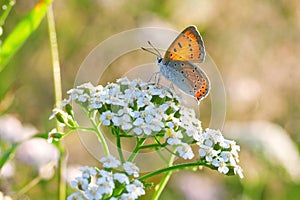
(179, 44)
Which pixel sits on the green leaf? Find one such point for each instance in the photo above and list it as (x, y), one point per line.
(8, 5)
(22, 31)
(6, 156)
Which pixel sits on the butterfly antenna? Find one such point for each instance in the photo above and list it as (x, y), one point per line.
(155, 49)
(149, 51)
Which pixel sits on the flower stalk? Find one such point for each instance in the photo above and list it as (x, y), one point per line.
(58, 97)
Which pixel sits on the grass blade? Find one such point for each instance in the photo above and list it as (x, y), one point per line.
(22, 31)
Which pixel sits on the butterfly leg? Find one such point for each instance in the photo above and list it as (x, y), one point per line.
(172, 86)
(158, 79)
(153, 75)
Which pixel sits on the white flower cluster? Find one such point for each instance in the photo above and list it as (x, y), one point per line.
(105, 184)
(146, 110)
(220, 152)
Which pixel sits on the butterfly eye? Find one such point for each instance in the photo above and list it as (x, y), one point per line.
(159, 60)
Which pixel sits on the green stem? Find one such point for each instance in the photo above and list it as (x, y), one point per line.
(176, 167)
(61, 168)
(96, 129)
(7, 155)
(162, 156)
(58, 98)
(136, 149)
(152, 146)
(100, 137)
(164, 180)
(55, 58)
(84, 128)
(28, 186)
(119, 144)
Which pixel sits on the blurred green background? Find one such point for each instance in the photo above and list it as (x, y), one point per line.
(256, 46)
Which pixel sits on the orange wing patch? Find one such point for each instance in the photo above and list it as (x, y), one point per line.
(188, 46)
(202, 92)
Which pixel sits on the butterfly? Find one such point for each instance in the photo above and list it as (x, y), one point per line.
(178, 66)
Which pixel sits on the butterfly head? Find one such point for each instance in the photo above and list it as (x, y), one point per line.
(159, 60)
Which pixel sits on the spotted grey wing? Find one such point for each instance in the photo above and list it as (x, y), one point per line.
(190, 78)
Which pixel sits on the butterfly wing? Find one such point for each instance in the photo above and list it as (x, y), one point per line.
(188, 46)
(189, 78)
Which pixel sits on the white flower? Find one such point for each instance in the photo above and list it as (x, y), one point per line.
(123, 81)
(126, 111)
(110, 162)
(208, 152)
(105, 185)
(161, 92)
(161, 110)
(151, 111)
(225, 144)
(135, 189)
(83, 98)
(105, 174)
(215, 162)
(11, 130)
(173, 137)
(37, 152)
(124, 122)
(106, 117)
(95, 103)
(88, 86)
(74, 93)
(141, 127)
(117, 101)
(194, 132)
(185, 151)
(131, 169)
(76, 196)
(133, 84)
(211, 137)
(143, 100)
(208, 143)
(223, 167)
(127, 196)
(80, 183)
(239, 171)
(214, 135)
(204, 150)
(170, 125)
(121, 178)
(187, 117)
(135, 114)
(65, 102)
(226, 155)
(156, 124)
(93, 193)
(235, 149)
(87, 172)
